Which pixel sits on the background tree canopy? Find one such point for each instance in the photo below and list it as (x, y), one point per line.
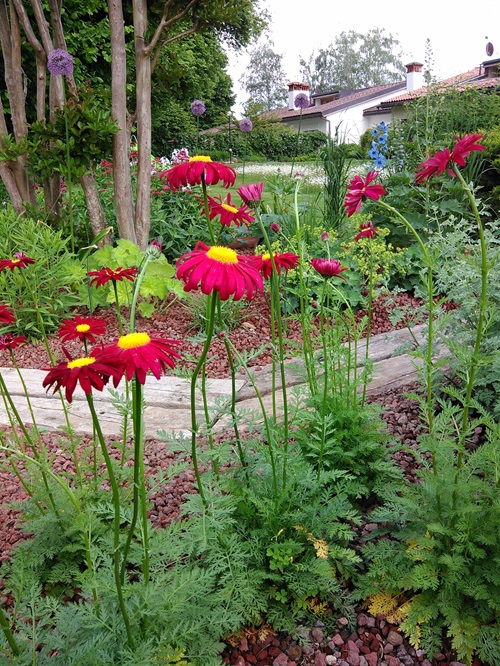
(355, 60)
(265, 80)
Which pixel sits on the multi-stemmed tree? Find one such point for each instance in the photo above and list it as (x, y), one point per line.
(25, 24)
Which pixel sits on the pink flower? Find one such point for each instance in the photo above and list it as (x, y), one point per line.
(228, 213)
(434, 166)
(219, 269)
(251, 194)
(328, 268)
(465, 146)
(438, 163)
(360, 188)
(366, 230)
(285, 261)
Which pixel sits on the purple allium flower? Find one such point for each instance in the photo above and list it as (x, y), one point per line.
(301, 101)
(197, 107)
(274, 226)
(246, 125)
(60, 62)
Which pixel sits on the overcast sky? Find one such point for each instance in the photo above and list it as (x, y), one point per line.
(457, 30)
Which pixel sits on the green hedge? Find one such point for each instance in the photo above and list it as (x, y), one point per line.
(274, 142)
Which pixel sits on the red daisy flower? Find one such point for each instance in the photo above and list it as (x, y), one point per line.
(251, 194)
(81, 328)
(20, 260)
(8, 341)
(285, 261)
(191, 173)
(6, 315)
(465, 146)
(219, 269)
(366, 230)
(228, 213)
(359, 188)
(136, 353)
(88, 371)
(106, 274)
(328, 268)
(434, 166)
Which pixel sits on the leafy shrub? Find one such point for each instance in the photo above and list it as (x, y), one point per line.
(440, 553)
(42, 293)
(179, 221)
(157, 282)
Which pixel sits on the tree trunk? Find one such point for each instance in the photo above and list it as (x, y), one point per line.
(124, 201)
(10, 40)
(96, 213)
(143, 97)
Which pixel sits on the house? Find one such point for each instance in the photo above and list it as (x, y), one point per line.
(355, 111)
(486, 77)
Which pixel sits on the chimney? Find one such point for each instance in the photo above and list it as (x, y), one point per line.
(414, 76)
(293, 90)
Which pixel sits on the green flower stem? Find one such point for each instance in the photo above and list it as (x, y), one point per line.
(264, 417)
(232, 367)
(272, 303)
(117, 520)
(482, 306)
(430, 332)
(139, 492)
(135, 295)
(8, 634)
(277, 309)
(369, 322)
(127, 383)
(297, 144)
(215, 464)
(194, 378)
(481, 320)
(12, 409)
(68, 163)
(325, 377)
(307, 348)
(206, 209)
(19, 476)
(69, 427)
(117, 305)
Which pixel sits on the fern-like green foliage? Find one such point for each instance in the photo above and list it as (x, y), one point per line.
(444, 552)
(348, 438)
(300, 539)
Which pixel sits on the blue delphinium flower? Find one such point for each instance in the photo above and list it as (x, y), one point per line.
(377, 153)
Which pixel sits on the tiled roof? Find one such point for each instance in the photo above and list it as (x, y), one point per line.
(358, 97)
(474, 78)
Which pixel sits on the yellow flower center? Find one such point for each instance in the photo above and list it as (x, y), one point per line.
(82, 328)
(200, 158)
(15, 261)
(133, 340)
(81, 362)
(223, 255)
(266, 256)
(231, 209)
